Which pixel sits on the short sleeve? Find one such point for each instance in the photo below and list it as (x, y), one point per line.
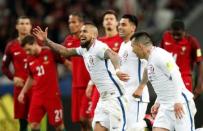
(79, 50)
(196, 50)
(101, 50)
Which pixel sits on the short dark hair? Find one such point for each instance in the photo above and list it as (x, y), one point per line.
(132, 18)
(177, 25)
(143, 37)
(79, 15)
(22, 17)
(111, 12)
(28, 40)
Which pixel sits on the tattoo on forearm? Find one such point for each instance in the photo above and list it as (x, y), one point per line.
(56, 47)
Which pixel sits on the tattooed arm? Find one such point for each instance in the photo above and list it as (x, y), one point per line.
(60, 49)
(42, 36)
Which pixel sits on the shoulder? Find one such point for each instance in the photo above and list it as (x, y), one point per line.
(160, 55)
(12, 43)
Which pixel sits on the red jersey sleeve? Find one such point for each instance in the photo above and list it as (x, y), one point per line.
(7, 59)
(196, 49)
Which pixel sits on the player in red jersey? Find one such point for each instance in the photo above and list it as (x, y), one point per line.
(185, 49)
(15, 54)
(43, 78)
(80, 77)
(113, 40)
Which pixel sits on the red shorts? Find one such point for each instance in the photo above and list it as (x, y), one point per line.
(188, 82)
(80, 104)
(40, 106)
(21, 110)
(95, 98)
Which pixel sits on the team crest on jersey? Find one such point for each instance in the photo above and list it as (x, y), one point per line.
(183, 49)
(115, 48)
(150, 70)
(125, 56)
(91, 60)
(46, 59)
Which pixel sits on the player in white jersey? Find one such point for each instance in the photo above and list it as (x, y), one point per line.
(101, 63)
(174, 104)
(134, 67)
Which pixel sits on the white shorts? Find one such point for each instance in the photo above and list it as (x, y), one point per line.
(111, 114)
(135, 114)
(166, 118)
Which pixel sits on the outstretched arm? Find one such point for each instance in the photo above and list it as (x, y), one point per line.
(42, 36)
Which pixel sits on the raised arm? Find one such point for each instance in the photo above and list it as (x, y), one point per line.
(42, 36)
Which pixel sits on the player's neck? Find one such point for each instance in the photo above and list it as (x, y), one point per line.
(127, 38)
(111, 33)
(39, 49)
(149, 50)
(21, 36)
(77, 34)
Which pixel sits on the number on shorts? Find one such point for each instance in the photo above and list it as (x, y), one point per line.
(58, 115)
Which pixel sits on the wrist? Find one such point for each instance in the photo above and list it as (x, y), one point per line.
(91, 83)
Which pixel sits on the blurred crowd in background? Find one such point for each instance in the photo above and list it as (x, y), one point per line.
(154, 16)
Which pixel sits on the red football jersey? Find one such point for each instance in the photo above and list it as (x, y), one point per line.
(113, 42)
(185, 52)
(43, 69)
(16, 54)
(80, 75)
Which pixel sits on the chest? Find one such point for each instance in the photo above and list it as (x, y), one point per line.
(42, 65)
(18, 53)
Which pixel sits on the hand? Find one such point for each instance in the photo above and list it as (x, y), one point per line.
(197, 91)
(89, 90)
(18, 82)
(68, 65)
(154, 109)
(178, 109)
(122, 76)
(137, 93)
(21, 97)
(39, 34)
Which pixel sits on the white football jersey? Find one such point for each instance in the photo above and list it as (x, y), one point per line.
(101, 70)
(165, 77)
(134, 67)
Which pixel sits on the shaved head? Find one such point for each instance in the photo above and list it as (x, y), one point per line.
(93, 29)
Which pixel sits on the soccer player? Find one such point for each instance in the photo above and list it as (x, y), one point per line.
(99, 61)
(43, 77)
(186, 52)
(133, 66)
(80, 103)
(113, 40)
(174, 105)
(15, 54)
